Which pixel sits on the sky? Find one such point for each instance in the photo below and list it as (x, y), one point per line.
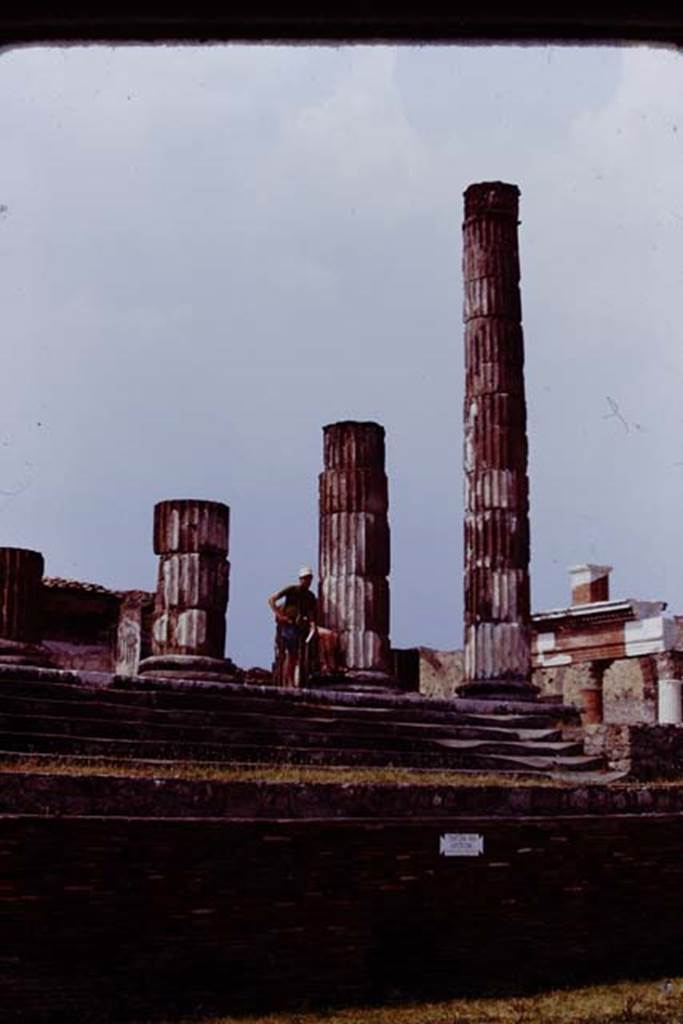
(210, 253)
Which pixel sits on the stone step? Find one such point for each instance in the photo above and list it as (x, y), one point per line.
(582, 763)
(563, 768)
(104, 787)
(320, 721)
(566, 748)
(466, 758)
(304, 736)
(419, 713)
(302, 704)
(97, 715)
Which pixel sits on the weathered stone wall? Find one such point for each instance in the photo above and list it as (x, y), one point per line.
(87, 627)
(566, 681)
(441, 672)
(629, 687)
(79, 625)
(630, 690)
(613, 741)
(113, 919)
(647, 752)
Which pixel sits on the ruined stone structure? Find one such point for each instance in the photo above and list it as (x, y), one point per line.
(497, 623)
(354, 548)
(91, 628)
(21, 577)
(619, 661)
(188, 637)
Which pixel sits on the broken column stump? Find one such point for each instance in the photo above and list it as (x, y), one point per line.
(21, 589)
(188, 633)
(354, 550)
(497, 613)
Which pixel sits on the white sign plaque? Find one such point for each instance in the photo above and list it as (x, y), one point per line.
(461, 844)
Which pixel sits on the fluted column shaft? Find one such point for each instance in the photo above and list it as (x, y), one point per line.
(354, 543)
(21, 575)
(191, 539)
(21, 583)
(497, 614)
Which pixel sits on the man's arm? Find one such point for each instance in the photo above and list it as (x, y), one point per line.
(272, 602)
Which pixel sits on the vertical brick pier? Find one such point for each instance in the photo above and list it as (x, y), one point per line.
(21, 588)
(354, 549)
(188, 635)
(497, 614)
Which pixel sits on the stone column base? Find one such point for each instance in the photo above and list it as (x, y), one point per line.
(354, 681)
(189, 666)
(494, 689)
(17, 652)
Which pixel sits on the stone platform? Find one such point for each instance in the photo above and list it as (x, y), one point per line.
(131, 899)
(140, 718)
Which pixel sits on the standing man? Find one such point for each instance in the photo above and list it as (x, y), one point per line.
(296, 618)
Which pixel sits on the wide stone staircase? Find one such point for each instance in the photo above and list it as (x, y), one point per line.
(47, 713)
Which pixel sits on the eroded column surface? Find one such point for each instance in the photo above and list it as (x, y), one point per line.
(354, 547)
(497, 614)
(21, 585)
(188, 634)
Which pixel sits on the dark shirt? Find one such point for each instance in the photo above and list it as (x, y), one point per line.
(300, 604)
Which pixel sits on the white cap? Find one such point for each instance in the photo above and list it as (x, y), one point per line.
(305, 570)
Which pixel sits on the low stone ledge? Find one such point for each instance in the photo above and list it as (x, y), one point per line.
(102, 680)
(68, 795)
(389, 700)
(55, 675)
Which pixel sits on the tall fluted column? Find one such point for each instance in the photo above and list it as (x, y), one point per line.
(354, 548)
(188, 634)
(497, 614)
(21, 587)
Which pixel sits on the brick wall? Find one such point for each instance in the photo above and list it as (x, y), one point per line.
(108, 918)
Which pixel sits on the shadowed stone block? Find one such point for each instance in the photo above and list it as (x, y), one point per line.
(21, 585)
(188, 633)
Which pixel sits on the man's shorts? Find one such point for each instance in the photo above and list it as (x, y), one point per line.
(291, 638)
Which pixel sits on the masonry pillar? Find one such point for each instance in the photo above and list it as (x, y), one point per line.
(133, 631)
(188, 633)
(589, 583)
(592, 710)
(497, 613)
(354, 549)
(669, 704)
(21, 585)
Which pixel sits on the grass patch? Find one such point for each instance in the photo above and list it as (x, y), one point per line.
(651, 1002)
(275, 774)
